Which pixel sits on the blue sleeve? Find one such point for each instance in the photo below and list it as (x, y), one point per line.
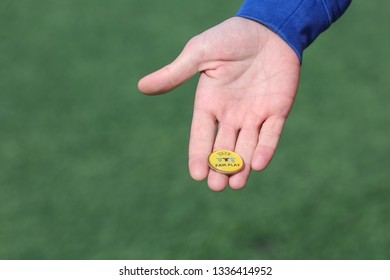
(298, 22)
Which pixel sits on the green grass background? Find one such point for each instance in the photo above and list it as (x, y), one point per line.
(92, 169)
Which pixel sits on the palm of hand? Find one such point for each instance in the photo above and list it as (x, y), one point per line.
(249, 78)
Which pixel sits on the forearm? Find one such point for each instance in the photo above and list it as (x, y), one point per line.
(298, 22)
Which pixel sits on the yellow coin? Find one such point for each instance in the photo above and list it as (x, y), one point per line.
(226, 162)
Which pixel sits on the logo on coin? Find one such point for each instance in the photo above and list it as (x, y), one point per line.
(226, 159)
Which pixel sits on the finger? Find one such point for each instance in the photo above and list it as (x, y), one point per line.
(201, 143)
(226, 139)
(245, 147)
(270, 133)
(171, 76)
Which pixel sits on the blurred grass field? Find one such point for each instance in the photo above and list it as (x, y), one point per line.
(92, 169)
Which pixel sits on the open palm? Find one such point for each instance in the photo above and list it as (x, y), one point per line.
(249, 79)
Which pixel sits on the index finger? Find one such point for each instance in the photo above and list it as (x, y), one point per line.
(201, 143)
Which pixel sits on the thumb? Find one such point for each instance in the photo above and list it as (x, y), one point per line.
(174, 74)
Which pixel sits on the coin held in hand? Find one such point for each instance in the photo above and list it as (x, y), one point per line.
(226, 162)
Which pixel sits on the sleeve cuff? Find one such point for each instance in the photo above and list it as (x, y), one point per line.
(298, 22)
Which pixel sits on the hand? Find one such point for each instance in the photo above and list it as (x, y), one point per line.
(248, 82)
